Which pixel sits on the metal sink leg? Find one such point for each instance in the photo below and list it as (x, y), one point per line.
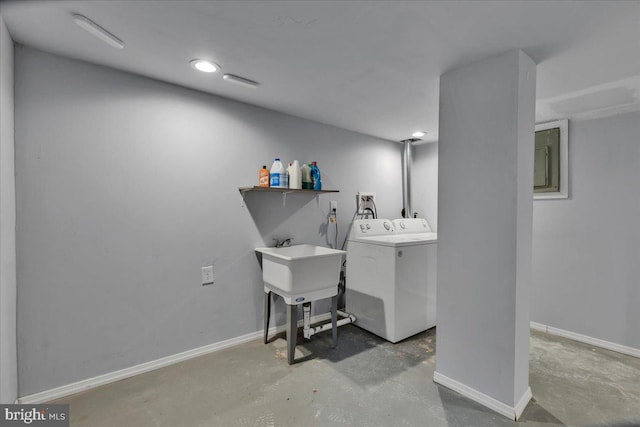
(292, 331)
(334, 319)
(267, 314)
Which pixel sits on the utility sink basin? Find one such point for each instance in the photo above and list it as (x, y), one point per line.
(301, 273)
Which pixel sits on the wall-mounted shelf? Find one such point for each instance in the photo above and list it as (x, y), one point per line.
(283, 191)
(243, 190)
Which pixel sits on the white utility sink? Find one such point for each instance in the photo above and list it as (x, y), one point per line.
(301, 273)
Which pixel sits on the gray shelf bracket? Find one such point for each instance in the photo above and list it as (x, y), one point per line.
(284, 197)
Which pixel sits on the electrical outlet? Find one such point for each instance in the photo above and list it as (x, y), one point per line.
(366, 197)
(207, 275)
(333, 206)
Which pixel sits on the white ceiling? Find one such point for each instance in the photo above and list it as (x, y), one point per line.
(368, 66)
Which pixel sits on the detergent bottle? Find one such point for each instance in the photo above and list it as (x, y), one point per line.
(305, 173)
(263, 177)
(315, 176)
(295, 177)
(278, 174)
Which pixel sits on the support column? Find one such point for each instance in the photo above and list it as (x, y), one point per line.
(485, 205)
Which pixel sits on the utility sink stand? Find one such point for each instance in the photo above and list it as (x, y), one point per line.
(292, 322)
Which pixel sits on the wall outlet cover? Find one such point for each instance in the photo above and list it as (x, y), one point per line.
(207, 275)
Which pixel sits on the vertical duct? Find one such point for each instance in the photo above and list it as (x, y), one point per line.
(407, 160)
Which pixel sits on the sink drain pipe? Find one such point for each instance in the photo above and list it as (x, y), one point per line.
(309, 331)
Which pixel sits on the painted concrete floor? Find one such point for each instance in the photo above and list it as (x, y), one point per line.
(365, 381)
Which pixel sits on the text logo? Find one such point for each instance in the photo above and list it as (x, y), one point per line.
(34, 415)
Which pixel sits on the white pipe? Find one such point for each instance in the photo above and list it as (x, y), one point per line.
(345, 314)
(306, 309)
(347, 318)
(407, 158)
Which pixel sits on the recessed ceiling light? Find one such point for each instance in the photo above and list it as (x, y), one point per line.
(204, 66)
(240, 80)
(96, 30)
(418, 134)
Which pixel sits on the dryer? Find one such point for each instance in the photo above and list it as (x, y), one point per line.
(391, 277)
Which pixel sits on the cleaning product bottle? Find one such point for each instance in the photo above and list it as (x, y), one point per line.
(305, 173)
(295, 178)
(315, 176)
(286, 178)
(263, 177)
(277, 174)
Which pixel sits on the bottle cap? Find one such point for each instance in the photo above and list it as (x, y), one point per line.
(277, 159)
(314, 163)
(264, 166)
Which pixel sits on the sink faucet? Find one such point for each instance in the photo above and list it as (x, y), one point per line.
(283, 243)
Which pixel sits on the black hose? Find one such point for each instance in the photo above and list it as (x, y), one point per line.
(375, 214)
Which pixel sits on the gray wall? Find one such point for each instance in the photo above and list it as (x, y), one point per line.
(425, 182)
(485, 193)
(127, 186)
(8, 357)
(586, 250)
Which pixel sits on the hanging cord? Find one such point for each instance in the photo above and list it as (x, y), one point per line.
(375, 209)
(344, 242)
(342, 284)
(335, 217)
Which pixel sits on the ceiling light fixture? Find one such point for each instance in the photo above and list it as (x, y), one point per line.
(240, 80)
(96, 30)
(204, 66)
(418, 134)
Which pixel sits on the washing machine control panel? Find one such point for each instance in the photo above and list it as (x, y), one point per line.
(411, 225)
(372, 227)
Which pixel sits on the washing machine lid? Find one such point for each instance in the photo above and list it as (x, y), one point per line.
(399, 240)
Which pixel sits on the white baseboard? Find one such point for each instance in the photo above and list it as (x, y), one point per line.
(511, 412)
(538, 326)
(523, 402)
(608, 345)
(89, 383)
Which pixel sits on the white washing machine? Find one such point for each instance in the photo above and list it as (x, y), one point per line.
(391, 277)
